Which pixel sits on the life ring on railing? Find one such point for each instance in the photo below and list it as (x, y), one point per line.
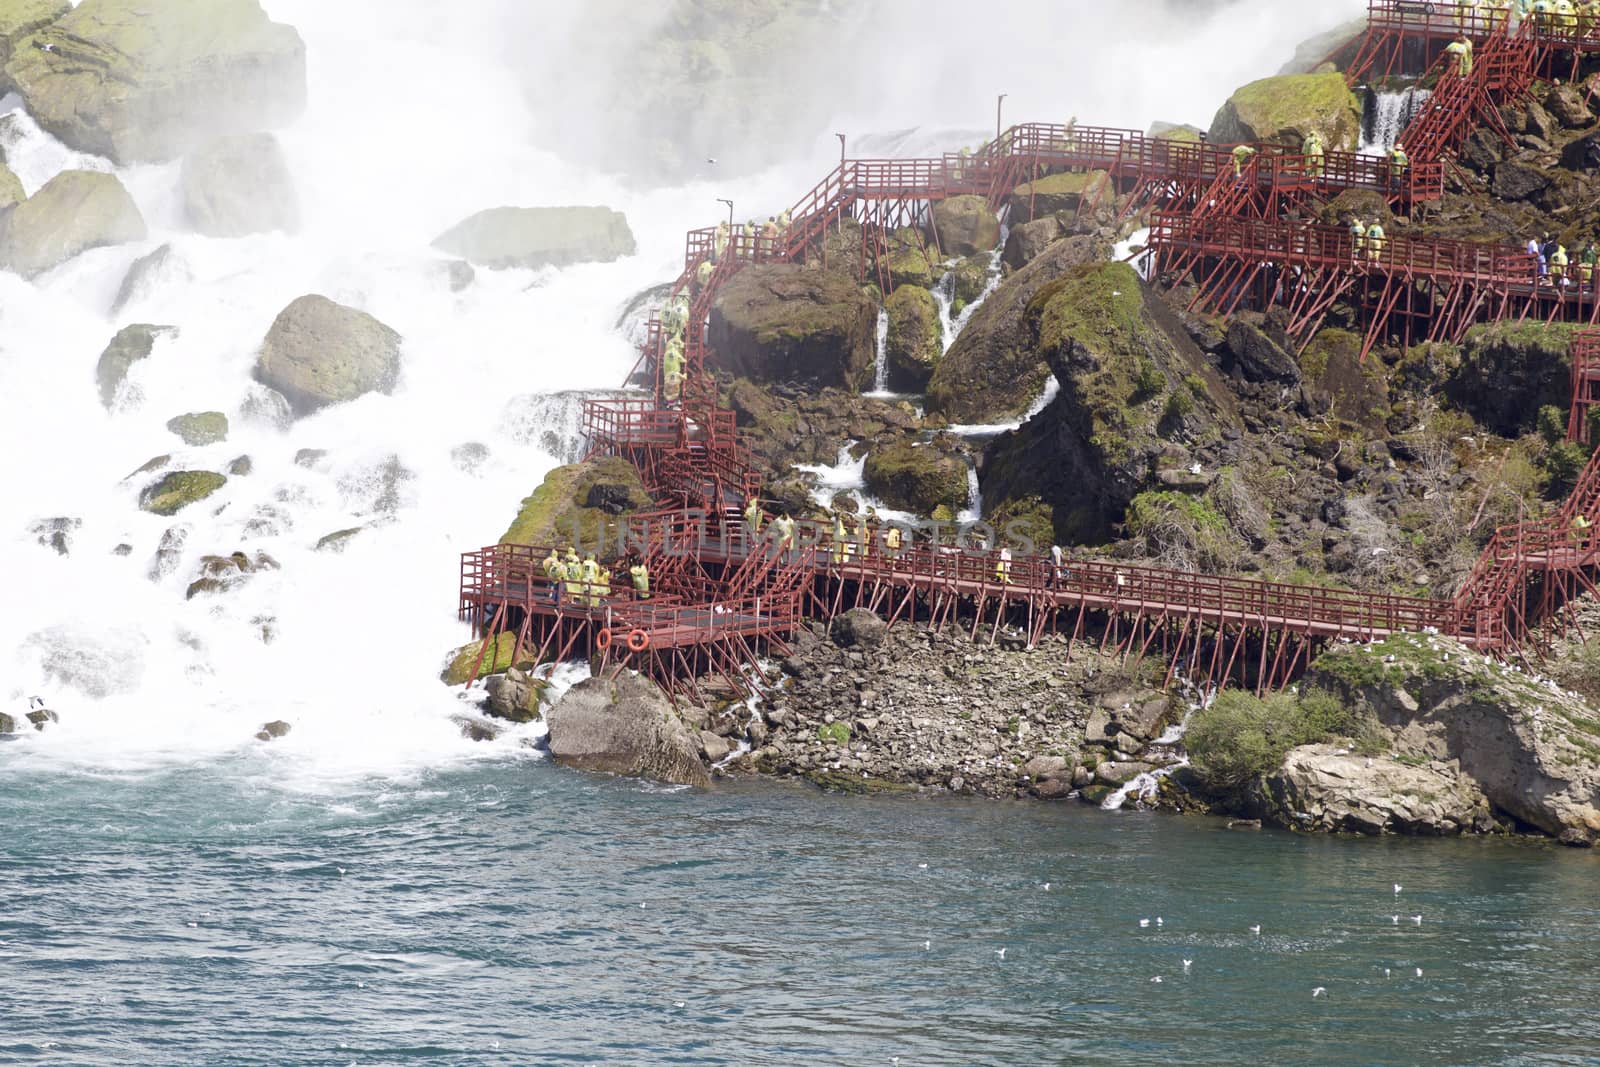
(638, 641)
(602, 640)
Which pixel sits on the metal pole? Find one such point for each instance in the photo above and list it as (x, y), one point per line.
(841, 148)
(999, 106)
(730, 210)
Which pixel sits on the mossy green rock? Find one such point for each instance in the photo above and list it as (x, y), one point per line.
(964, 225)
(18, 20)
(496, 658)
(915, 343)
(533, 237)
(11, 191)
(1059, 194)
(200, 428)
(1509, 370)
(1282, 110)
(1356, 392)
(995, 371)
(239, 185)
(319, 353)
(130, 345)
(916, 478)
(785, 323)
(75, 211)
(1120, 356)
(908, 261)
(178, 490)
(575, 503)
(147, 82)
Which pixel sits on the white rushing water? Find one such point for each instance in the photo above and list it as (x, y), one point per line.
(416, 119)
(1386, 115)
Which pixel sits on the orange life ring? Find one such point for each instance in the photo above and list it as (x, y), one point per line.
(638, 641)
(602, 640)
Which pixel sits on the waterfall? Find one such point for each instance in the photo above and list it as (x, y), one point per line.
(880, 382)
(1385, 115)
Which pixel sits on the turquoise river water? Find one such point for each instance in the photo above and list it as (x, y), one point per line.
(515, 913)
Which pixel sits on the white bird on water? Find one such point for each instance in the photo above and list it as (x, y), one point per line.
(1417, 919)
(922, 866)
(1158, 978)
(926, 945)
(1397, 888)
(1317, 992)
(1255, 929)
(1395, 919)
(1187, 964)
(1159, 921)
(1143, 923)
(1001, 953)
(1388, 973)
(1047, 887)
(1419, 972)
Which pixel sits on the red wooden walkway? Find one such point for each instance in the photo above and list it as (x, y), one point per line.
(724, 596)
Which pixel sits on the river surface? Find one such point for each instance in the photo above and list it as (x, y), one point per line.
(510, 912)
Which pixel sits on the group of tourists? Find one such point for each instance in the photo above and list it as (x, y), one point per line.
(586, 583)
(1556, 266)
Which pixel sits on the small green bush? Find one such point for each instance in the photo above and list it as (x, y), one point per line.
(1240, 736)
(1563, 463)
(1552, 424)
(834, 733)
(1179, 404)
(1151, 381)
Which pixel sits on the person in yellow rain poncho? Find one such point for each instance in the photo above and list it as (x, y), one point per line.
(1376, 240)
(1312, 149)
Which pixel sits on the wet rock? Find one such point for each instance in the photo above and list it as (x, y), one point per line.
(627, 727)
(1028, 241)
(319, 353)
(55, 533)
(470, 457)
(1042, 767)
(178, 490)
(41, 718)
(915, 477)
(142, 82)
(1284, 109)
(1117, 774)
(1565, 105)
(460, 275)
(263, 406)
(161, 268)
(514, 696)
(784, 323)
(11, 190)
(20, 19)
(914, 344)
(964, 225)
(858, 628)
(1508, 371)
(1060, 195)
(169, 553)
(75, 211)
(476, 729)
(495, 659)
(241, 467)
(199, 429)
(1259, 357)
(715, 747)
(8, 724)
(1582, 154)
(223, 574)
(337, 541)
(530, 238)
(310, 458)
(129, 346)
(273, 730)
(239, 185)
(559, 510)
(1515, 180)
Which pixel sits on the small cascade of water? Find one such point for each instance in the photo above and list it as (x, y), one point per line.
(880, 382)
(974, 509)
(1145, 786)
(1385, 115)
(552, 421)
(951, 325)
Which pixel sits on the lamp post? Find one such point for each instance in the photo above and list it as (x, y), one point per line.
(841, 148)
(730, 210)
(999, 107)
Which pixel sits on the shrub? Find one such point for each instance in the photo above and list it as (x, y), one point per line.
(1240, 737)
(1564, 462)
(1151, 381)
(1552, 423)
(1179, 404)
(835, 733)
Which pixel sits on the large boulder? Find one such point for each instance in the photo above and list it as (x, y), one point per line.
(964, 226)
(129, 346)
(1282, 110)
(918, 478)
(915, 342)
(200, 428)
(994, 371)
(1258, 357)
(624, 726)
(790, 324)
(319, 353)
(1328, 788)
(1027, 241)
(1527, 745)
(240, 185)
(577, 503)
(75, 211)
(1058, 194)
(141, 82)
(533, 237)
(18, 20)
(1132, 385)
(1337, 380)
(177, 490)
(1566, 105)
(1509, 370)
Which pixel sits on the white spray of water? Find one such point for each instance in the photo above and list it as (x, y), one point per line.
(1388, 113)
(418, 116)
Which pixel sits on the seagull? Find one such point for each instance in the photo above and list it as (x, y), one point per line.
(1047, 887)
(1397, 888)
(1143, 923)
(1187, 964)
(711, 160)
(1387, 973)
(1417, 919)
(35, 703)
(1157, 978)
(1395, 919)
(1159, 922)
(339, 869)
(641, 905)
(678, 1004)
(1255, 929)
(922, 866)
(1419, 972)
(1317, 992)
(926, 945)
(1001, 953)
